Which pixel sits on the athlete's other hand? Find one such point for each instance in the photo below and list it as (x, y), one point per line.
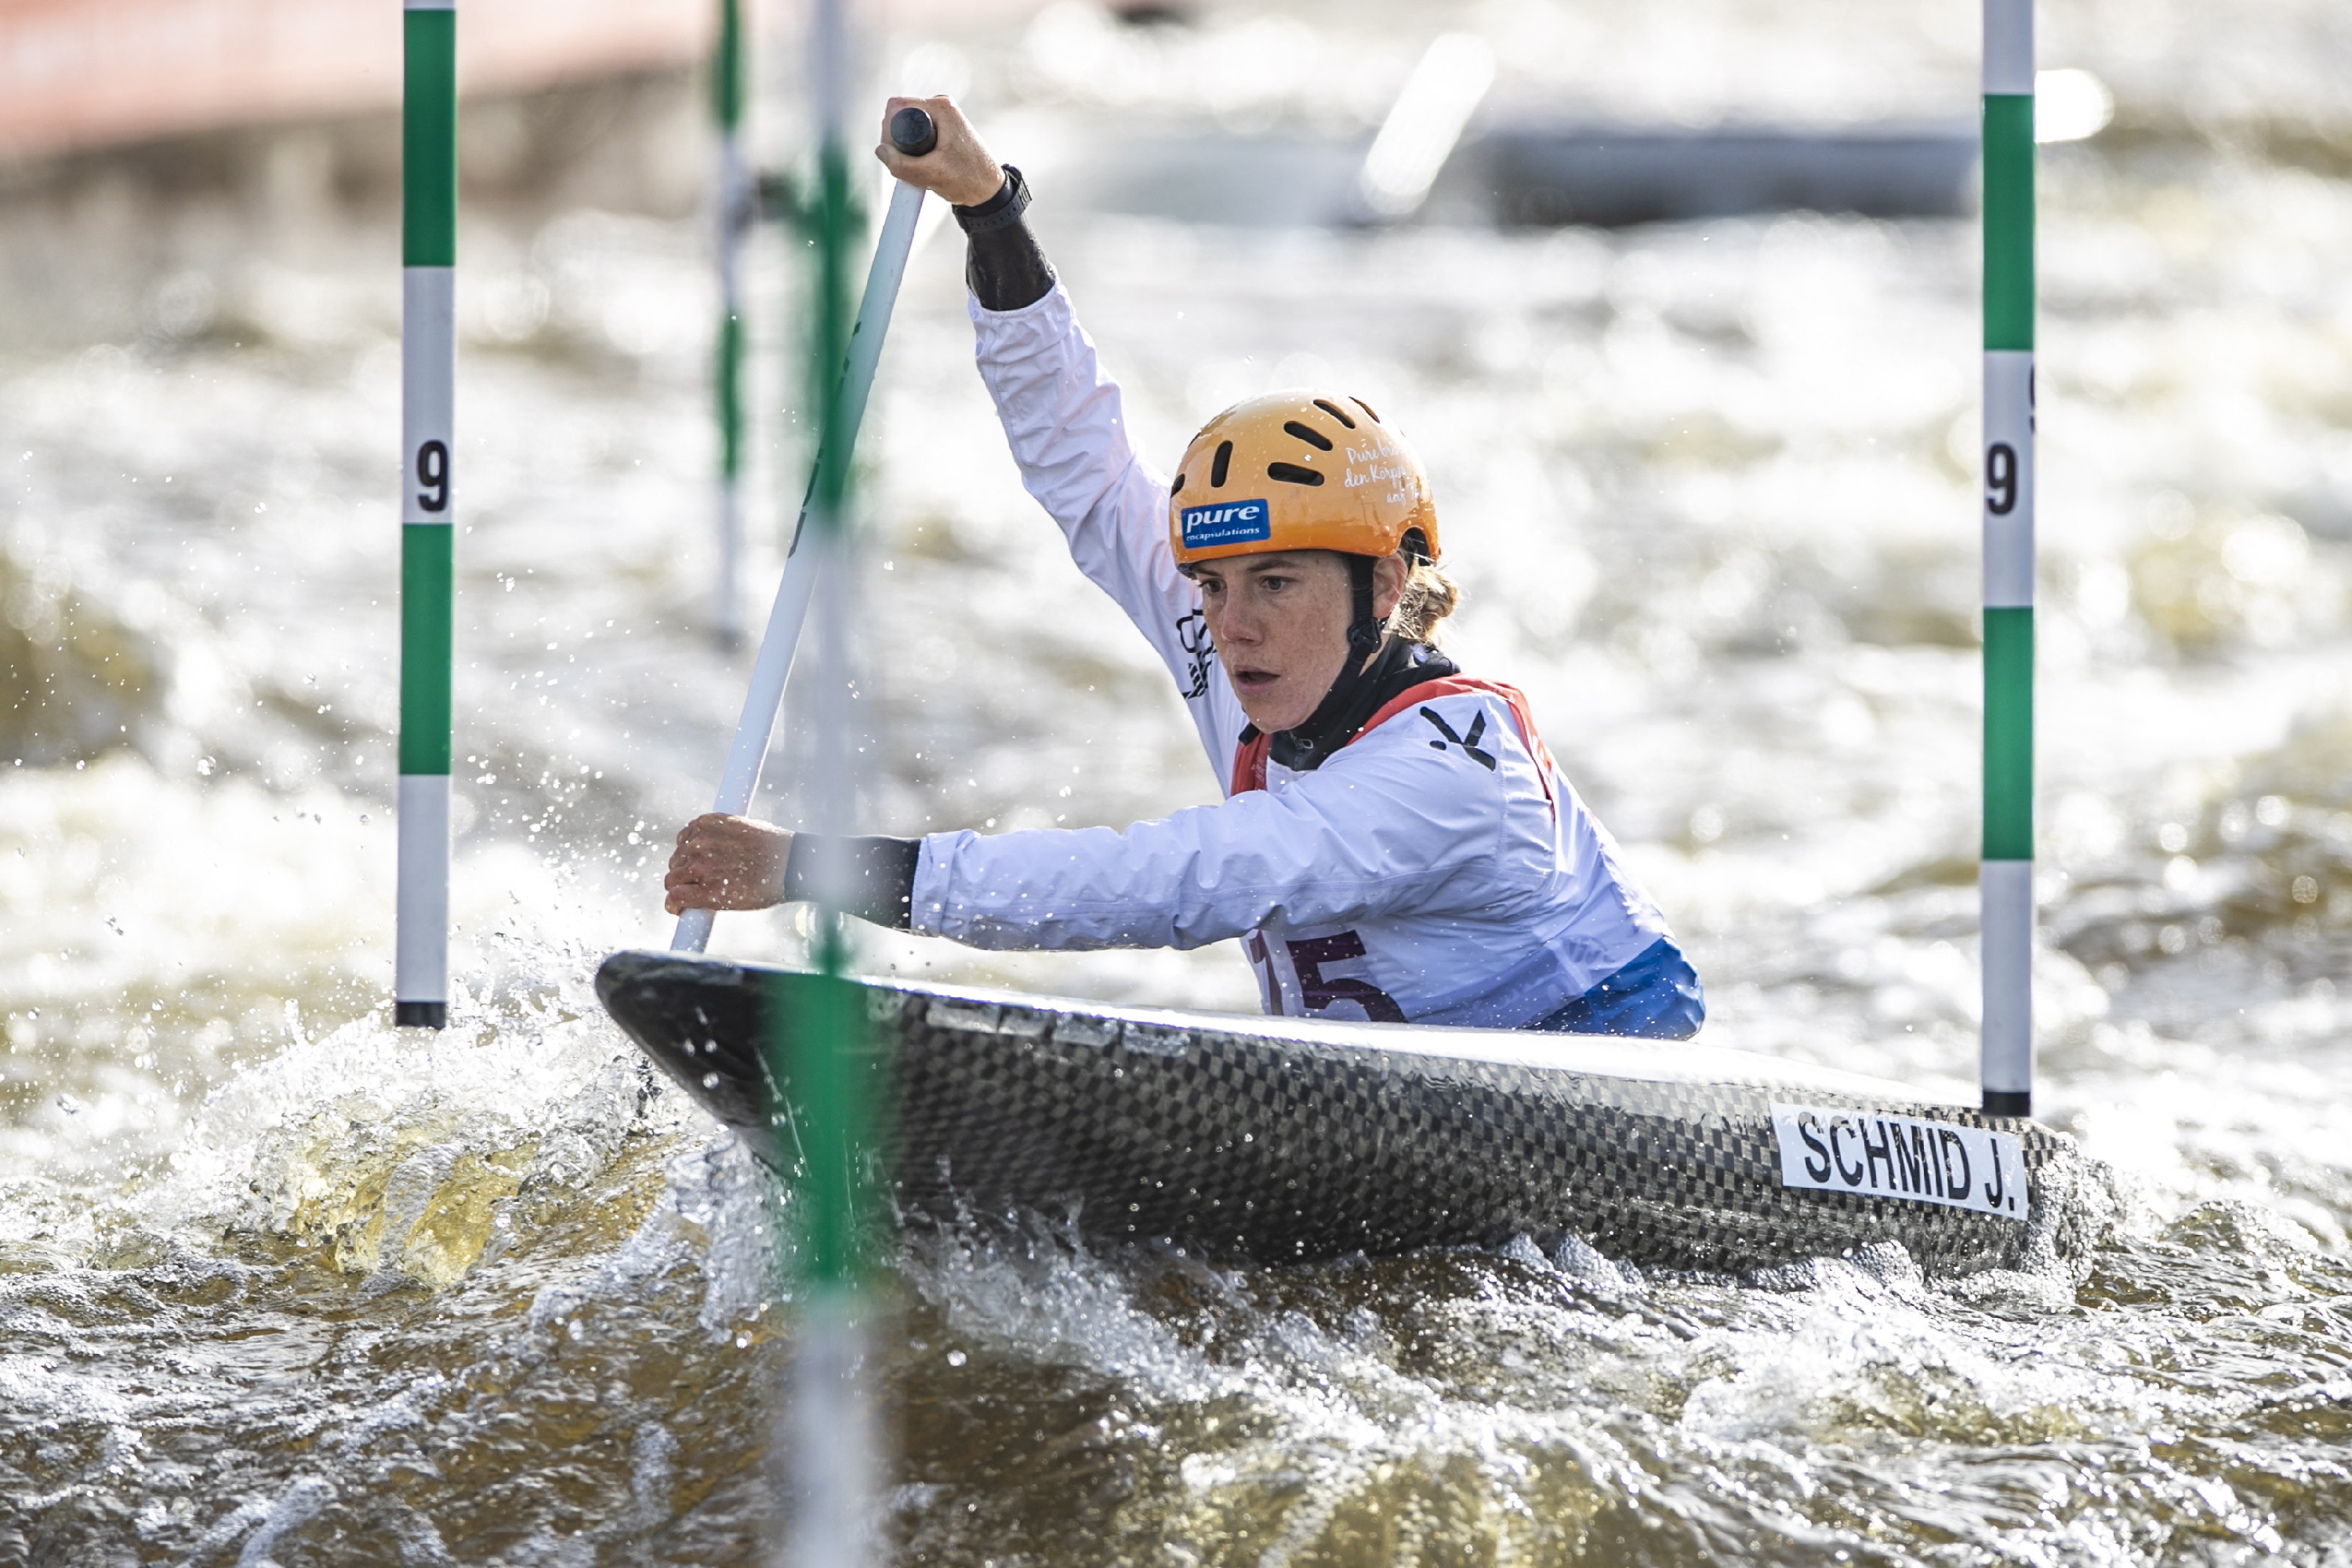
(727, 862)
(958, 169)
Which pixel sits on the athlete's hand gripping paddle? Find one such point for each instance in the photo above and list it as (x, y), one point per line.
(913, 133)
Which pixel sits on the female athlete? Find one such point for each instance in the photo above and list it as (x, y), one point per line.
(1395, 842)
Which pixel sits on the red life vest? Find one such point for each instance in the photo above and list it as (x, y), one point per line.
(1250, 756)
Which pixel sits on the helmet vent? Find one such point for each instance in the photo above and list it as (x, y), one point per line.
(1178, 487)
(1334, 411)
(1367, 408)
(1293, 473)
(1308, 434)
(1223, 460)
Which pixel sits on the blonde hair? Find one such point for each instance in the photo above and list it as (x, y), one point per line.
(1429, 596)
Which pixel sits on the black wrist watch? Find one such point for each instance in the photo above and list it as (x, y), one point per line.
(999, 211)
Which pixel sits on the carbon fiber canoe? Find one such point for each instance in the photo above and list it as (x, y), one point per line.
(1262, 1140)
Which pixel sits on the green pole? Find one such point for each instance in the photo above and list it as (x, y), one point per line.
(817, 1038)
(428, 179)
(2005, 875)
(734, 200)
(828, 1029)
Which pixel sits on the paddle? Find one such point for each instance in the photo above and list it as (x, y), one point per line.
(912, 134)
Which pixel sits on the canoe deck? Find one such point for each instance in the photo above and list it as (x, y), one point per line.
(1264, 1141)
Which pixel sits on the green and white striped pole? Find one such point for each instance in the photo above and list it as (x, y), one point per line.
(2005, 876)
(727, 94)
(817, 1040)
(429, 253)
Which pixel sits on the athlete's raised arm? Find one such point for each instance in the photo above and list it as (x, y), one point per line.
(1063, 415)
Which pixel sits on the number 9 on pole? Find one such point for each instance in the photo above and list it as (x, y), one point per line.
(432, 477)
(2008, 478)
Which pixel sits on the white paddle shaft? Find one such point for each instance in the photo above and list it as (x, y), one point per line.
(757, 727)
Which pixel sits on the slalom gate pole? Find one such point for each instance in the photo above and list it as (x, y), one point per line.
(816, 1044)
(845, 409)
(735, 210)
(2005, 875)
(428, 248)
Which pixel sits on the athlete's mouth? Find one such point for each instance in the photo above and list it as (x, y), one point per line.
(1254, 678)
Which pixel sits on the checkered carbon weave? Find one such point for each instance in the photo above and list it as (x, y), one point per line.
(1247, 1141)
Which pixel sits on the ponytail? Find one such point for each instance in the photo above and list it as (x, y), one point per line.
(1429, 596)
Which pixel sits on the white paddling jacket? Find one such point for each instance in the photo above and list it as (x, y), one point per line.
(1438, 869)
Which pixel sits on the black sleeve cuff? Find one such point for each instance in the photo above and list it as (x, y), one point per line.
(1003, 264)
(880, 881)
(1003, 209)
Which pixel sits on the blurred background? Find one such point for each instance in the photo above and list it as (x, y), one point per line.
(1679, 301)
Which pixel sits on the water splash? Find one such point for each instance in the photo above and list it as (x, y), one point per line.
(296, 1285)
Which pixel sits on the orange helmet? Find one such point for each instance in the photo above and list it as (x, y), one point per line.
(1299, 470)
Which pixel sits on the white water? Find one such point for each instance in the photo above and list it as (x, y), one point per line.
(278, 1282)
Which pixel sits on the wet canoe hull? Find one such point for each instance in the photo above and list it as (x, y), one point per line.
(1261, 1140)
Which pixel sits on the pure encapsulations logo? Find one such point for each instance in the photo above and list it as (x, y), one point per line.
(1226, 522)
(1901, 1157)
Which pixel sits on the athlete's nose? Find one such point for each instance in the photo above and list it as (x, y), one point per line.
(1229, 626)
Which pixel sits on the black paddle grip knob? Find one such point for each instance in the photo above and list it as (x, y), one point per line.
(913, 132)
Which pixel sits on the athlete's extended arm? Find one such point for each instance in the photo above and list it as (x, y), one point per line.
(1378, 834)
(741, 863)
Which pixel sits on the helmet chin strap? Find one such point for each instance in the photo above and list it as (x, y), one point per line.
(1364, 629)
(1366, 632)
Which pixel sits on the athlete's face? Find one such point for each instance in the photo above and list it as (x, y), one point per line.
(1280, 624)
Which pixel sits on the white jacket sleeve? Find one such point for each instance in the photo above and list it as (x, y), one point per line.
(1370, 833)
(1063, 420)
